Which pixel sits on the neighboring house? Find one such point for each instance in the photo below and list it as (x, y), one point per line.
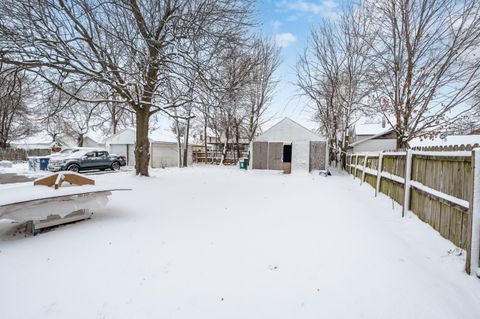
(40, 141)
(371, 138)
(286, 145)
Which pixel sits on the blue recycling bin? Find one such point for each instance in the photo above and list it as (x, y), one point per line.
(44, 163)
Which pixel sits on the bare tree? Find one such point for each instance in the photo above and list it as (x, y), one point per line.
(332, 73)
(131, 47)
(425, 63)
(262, 85)
(469, 123)
(114, 114)
(15, 91)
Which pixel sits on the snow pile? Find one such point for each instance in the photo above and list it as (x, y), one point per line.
(215, 242)
(448, 140)
(6, 164)
(21, 168)
(28, 202)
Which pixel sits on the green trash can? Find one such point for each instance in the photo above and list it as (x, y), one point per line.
(242, 164)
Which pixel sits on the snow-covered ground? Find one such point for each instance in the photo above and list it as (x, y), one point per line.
(21, 168)
(215, 242)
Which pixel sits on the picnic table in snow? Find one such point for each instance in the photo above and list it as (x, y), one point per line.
(48, 203)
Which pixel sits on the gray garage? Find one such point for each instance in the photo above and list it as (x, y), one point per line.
(289, 146)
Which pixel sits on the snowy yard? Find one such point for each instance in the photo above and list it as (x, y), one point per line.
(214, 242)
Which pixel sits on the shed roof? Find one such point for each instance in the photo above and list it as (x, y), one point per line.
(125, 136)
(128, 136)
(288, 130)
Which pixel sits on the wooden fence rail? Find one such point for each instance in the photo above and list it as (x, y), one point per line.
(441, 187)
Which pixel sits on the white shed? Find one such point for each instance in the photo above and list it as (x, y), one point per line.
(289, 144)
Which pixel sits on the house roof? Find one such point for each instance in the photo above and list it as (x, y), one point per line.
(41, 140)
(127, 136)
(288, 130)
(96, 135)
(372, 137)
(162, 135)
(369, 129)
(38, 138)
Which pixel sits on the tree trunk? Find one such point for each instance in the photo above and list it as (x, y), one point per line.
(142, 145)
(205, 142)
(225, 147)
(185, 142)
(401, 143)
(80, 140)
(114, 119)
(179, 142)
(224, 152)
(237, 141)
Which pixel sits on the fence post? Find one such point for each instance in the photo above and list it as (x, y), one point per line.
(364, 166)
(379, 173)
(473, 232)
(355, 170)
(350, 164)
(408, 175)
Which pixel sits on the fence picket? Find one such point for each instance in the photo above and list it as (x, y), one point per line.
(441, 186)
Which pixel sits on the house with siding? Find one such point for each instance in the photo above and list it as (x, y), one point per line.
(371, 137)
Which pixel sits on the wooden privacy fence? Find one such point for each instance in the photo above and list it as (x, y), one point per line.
(441, 187)
(17, 154)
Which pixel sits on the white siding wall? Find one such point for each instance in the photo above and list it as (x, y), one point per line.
(375, 145)
(166, 155)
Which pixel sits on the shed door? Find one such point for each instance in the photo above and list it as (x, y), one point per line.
(275, 151)
(260, 155)
(318, 153)
(300, 155)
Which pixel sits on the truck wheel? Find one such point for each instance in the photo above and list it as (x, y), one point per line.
(73, 168)
(115, 166)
